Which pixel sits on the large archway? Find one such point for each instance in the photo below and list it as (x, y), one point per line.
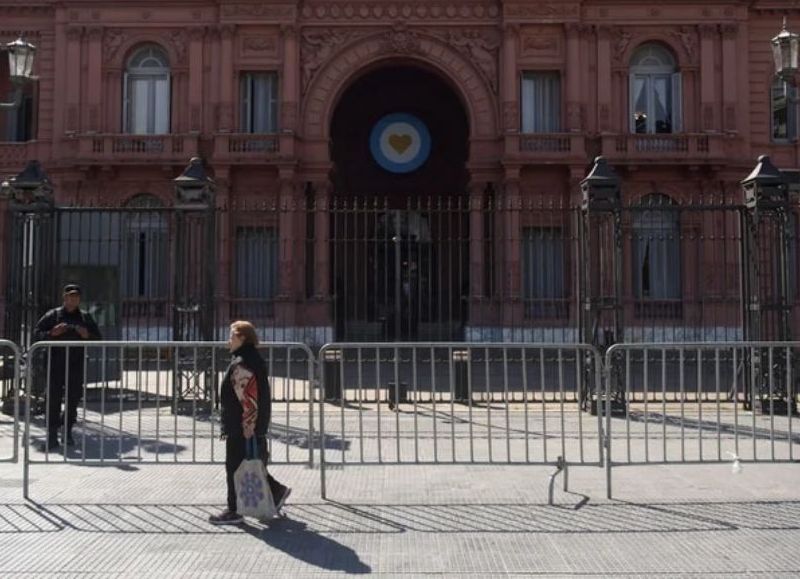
(393, 90)
(399, 223)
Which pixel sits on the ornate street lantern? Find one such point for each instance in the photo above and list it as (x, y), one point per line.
(765, 187)
(20, 60)
(600, 188)
(20, 68)
(785, 51)
(30, 189)
(194, 189)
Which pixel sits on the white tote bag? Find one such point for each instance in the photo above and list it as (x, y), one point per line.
(253, 495)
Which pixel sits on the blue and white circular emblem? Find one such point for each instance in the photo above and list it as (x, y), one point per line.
(400, 143)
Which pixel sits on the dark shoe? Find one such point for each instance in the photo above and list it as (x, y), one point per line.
(226, 517)
(281, 496)
(52, 441)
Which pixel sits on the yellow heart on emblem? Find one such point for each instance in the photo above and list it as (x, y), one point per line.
(400, 143)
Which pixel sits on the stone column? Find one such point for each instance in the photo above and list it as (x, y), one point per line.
(94, 93)
(708, 97)
(510, 93)
(729, 78)
(573, 80)
(196, 35)
(604, 79)
(73, 78)
(226, 79)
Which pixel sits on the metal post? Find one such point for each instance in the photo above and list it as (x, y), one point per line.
(768, 316)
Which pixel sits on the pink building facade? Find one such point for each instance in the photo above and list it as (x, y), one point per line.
(514, 99)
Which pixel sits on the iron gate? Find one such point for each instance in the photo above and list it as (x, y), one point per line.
(399, 271)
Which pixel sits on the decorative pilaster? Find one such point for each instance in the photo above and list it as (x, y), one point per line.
(604, 79)
(708, 97)
(573, 81)
(729, 76)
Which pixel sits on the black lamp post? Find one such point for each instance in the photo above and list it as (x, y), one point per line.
(20, 68)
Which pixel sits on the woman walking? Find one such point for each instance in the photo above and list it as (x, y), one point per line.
(246, 404)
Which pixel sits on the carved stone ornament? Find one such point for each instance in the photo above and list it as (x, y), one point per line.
(481, 47)
(539, 45)
(622, 39)
(318, 46)
(381, 11)
(261, 10)
(114, 38)
(687, 36)
(401, 41)
(541, 10)
(178, 39)
(260, 44)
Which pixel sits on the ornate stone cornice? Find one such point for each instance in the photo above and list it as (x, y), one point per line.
(259, 11)
(480, 46)
(542, 11)
(381, 11)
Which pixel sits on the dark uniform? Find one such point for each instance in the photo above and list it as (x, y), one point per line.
(62, 375)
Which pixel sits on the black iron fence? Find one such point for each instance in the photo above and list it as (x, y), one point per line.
(485, 267)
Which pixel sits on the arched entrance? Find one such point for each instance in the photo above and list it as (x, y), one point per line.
(399, 223)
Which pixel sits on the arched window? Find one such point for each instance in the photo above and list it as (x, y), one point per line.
(657, 249)
(147, 88)
(784, 110)
(655, 91)
(145, 253)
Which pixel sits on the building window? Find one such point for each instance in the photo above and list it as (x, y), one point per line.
(657, 253)
(784, 111)
(256, 280)
(147, 92)
(541, 102)
(655, 91)
(259, 102)
(544, 272)
(146, 257)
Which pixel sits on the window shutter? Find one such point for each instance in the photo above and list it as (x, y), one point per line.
(244, 104)
(677, 101)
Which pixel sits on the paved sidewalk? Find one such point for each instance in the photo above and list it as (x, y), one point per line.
(151, 520)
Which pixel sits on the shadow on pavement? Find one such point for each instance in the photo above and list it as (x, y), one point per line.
(297, 540)
(306, 533)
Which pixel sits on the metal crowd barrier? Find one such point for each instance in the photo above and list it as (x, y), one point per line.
(458, 403)
(10, 370)
(728, 401)
(156, 402)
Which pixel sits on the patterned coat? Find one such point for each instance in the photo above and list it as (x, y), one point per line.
(245, 397)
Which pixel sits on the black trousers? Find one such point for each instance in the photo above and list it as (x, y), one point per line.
(235, 452)
(59, 383)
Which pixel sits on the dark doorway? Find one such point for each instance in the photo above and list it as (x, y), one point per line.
(399, 240)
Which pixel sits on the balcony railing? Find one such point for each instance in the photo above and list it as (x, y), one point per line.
(122, 148)
(551, 144)
(684, 146)
(246, 146)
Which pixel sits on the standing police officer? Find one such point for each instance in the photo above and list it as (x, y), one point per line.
(67, 323)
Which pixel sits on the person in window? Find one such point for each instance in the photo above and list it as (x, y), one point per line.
(246, 405)
(67, 323)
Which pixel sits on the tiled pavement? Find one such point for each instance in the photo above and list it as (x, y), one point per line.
(409, 520)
